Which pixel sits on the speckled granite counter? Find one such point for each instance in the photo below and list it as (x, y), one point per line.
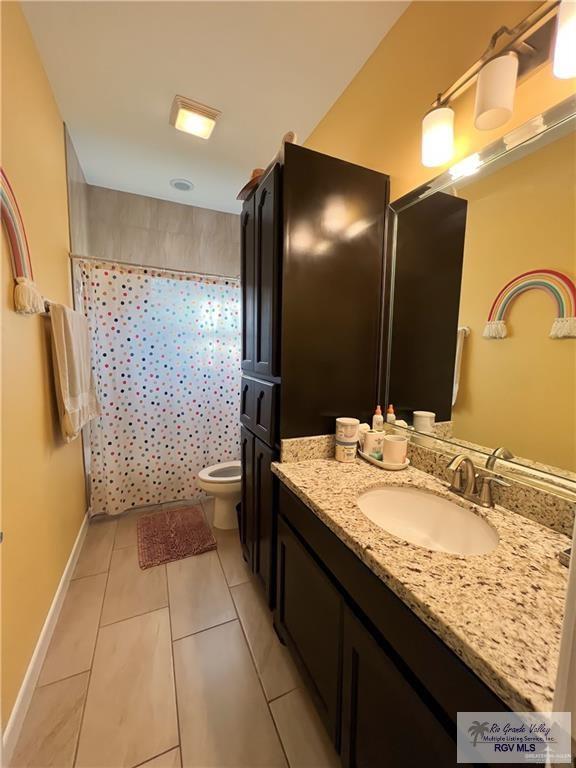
(501, 613)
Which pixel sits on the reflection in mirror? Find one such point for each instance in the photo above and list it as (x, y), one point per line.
(484, 264)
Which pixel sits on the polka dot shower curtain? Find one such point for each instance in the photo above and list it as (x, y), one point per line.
(166, 355)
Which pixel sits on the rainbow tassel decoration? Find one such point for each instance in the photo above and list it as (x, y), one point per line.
(27, 298)
(557, 284)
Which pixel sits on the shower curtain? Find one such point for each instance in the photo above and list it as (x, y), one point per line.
(166, 357)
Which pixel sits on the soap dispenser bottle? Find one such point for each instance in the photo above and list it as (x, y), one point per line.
(390, 415)
(378, 420)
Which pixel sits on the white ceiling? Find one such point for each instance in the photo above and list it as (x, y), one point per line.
(268, 66)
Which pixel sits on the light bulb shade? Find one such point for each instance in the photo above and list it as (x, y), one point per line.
(437, 137)
(495, 91)
(565, 47)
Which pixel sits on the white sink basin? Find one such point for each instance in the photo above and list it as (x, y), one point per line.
(428, 520)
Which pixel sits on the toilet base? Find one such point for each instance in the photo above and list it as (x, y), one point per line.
(225, 512)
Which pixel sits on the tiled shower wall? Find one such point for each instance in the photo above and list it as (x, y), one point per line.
(119, 226)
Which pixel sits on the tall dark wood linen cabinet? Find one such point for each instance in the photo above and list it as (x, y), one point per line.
(312, 242)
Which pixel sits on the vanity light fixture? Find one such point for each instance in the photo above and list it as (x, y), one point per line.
(192, 117)
(512, 53)
(466, 167)
(565, 48)
(438, 135)
(495, 92)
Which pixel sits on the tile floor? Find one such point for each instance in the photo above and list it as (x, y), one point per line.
(174, 666)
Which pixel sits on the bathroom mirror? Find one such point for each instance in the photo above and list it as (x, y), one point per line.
(482, 292)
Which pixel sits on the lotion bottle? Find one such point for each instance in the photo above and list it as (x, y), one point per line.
(378, 420)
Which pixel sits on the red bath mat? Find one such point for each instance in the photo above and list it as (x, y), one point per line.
(173, 534)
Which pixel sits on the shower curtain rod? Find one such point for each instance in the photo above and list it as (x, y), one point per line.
(75, 257)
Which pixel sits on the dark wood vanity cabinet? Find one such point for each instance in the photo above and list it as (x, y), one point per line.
(312, 262)
(267, 266)
(384, 719)
(309, 618)
(260, 264)
(387, 688)
(247, 276)
(257, 520)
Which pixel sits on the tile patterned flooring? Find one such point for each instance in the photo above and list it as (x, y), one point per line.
(176, 666)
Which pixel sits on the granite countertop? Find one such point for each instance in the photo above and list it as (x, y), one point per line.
(501, 613)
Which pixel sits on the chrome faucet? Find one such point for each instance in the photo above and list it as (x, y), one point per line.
(475, 487)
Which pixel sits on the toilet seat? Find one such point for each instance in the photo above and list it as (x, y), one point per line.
(227, 472)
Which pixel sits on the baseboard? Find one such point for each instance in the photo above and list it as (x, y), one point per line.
(18, 714)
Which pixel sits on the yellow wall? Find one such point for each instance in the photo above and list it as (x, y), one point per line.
(43, 487)
(376, 121)
(520, 392)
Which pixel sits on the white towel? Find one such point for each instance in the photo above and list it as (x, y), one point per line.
(463, 332)
(75, 388)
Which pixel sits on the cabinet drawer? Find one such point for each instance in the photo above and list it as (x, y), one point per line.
(265, 400)
(247, 403)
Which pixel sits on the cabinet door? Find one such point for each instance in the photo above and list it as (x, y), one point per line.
(247, 404)
(265, 398)
(247, 256)
(264, 518)
(384, 720)
(267, 275)
(308, 619)
(247, 498)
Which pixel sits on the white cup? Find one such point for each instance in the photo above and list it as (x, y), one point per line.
(424, 421)
(347, 429)
(394, 449)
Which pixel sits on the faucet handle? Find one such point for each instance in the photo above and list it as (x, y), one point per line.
(486, 483)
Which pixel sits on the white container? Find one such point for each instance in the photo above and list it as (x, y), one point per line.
(373, 443)
(347, 429)
(395, 449)
(345, 453)
(424, 421)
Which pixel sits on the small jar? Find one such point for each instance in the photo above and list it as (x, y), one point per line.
(345, 452)
(347, 429)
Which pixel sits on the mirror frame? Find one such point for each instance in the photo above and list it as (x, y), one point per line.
(561, 117)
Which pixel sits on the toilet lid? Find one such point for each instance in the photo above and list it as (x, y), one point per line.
(227, 472)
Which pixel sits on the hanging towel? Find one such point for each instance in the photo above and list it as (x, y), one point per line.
(463, 332)
(75, 388)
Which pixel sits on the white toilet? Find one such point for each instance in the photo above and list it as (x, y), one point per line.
(224, 482)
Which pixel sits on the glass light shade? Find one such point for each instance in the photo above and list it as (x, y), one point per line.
(192, 122)
(437, 137)
(565, 47)
(495, 92)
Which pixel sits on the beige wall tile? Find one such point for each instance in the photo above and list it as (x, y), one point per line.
(224, 719)
(130, 713)
(272, 659)
(199, 596)
(303, 735)
(50, 732)
(142, 230)
(97, 549)
(230, 553)
(131, 590)
(74, 638)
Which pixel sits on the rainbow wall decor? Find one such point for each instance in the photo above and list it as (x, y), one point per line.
(27, 298)
(557, 284)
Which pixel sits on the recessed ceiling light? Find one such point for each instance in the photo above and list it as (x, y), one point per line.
(182, 185)
(192, 117)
